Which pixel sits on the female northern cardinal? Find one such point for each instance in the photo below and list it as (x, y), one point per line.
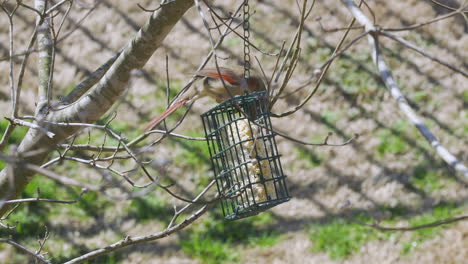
(235, 84)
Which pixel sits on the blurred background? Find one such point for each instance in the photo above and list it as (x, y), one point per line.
(390, 173)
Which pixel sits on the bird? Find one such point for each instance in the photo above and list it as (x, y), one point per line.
(234, 84)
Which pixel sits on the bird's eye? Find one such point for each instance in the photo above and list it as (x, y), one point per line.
(207, 81)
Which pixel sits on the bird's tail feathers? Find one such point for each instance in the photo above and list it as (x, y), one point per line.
(165, 114)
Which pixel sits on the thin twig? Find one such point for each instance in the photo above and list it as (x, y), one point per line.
(238, 34)
(295, 56)
(9, 130)
(179, 212)
(414, 228)
(43, 240)
(23, 69)
(77, 24)
(152, 10)
(140, 239)
(5, 217)
(322, 75)
(437, 19)
(90, 80)
(212, 43)
(20, 122)
(210, 54)
(32, 9)
(422, 52)
(166, 188)
(442, 5)
(51, 9)
(27, 200)
(103, 127)
(345, 48)
(11, 79)
(324, 143)
(39, 257)
(334, 29)
(131, 143)
(396, 93)
(62, 179)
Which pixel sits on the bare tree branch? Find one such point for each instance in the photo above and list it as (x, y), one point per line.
(54, 7)
(130, 144)
(39, 257)
(414, 228)
(437, 19)
(19, 122)
(27, 200)
(62, 179)
(323, 72)
(127, 241)
(99, 99)
(11, 79)
(422, 52)
(296, 43)
(45, 47)
(89, 82)
(396, 93)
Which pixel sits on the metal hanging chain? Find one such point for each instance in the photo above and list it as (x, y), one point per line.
(246, 27)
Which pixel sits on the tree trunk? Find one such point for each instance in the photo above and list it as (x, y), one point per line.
(36, 146)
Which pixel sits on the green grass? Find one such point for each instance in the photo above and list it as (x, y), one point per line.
(392, 144)
(29, 216)
(232, 42)
(194, 153)
(217, 241)
(390, 140)
(27, 219)
(32, 217)
(17, 134)
(15, 137)
(421, 96)
(440, 212)
(313, 160)
(149, 208)
(428, 179)
(111, 258)
(264, 240)
(353, 78)
(96, 137)
(94, 204)
(464, 95)
(208, 249)
(330, 117)
(127, 131)
(340, 237)
(47, 188)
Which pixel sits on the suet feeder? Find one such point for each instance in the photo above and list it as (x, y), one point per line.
(244, 155)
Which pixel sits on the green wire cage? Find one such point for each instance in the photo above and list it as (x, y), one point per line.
(244, 156)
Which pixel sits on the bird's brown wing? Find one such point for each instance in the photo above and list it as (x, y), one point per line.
(224, 73)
